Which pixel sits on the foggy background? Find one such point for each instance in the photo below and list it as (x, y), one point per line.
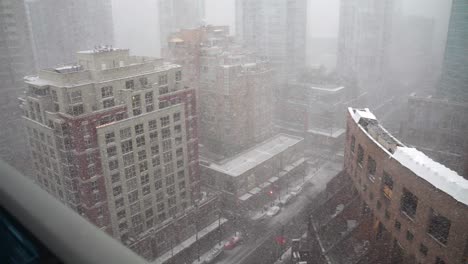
(133, 30)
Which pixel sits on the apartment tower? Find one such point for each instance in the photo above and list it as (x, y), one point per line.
(115, 138)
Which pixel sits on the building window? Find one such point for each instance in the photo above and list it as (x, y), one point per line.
(110, 137)
(167, 157)
(179, 152)
(397, 225)
(163, 90)
(167, 145)
(423, 249)
(126, 146)
(125, 133)
(160, 207)
(129, 84)
(117, 190)
(153, 136)
(141, 155)
(169, 180)
(409, 236)
(128, 159)
(360, 155)
(165, 121)
(155, 150)
(119, 202)
(171, 201)
(166, 133)
(387, 185)
(136, 101)
(130, 172)
(149, 213)
(157, 185)
(180, 174)
(133, 196)
(353, 143)
(180, 164)
(163, 79)
(113, 165)
(181, 185)
(439, 227)
(156, 161)
(140, 141)
(108, 103)
(135, 208)
(115, 177)
(409, 203)
(75, 97)
(152, 124)
(144, 179)
(177, 129)
(111, 151)
(121, 214)
(371, 168)
(139, 129)
(143, 81)
(132, 184)
(107, 91)
(146, 190)
(178, 76)
(143, 166)
(176, 117)
(157, 173)
(163, 104)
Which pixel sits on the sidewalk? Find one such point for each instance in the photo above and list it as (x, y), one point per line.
(189, 242)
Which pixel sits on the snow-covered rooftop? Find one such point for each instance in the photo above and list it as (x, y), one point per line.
(247, 160)
(357, 114)
(433, 172)
(424, 167)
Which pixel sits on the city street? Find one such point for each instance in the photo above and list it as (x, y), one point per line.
(259, 245)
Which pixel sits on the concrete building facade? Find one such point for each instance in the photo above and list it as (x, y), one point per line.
(363, 43)
(115, 137)
(275, 29)
(175, 15)
(60, 28)
(454, 81)
(16, 61)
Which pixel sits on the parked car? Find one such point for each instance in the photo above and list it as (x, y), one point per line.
(285, 199)
(296, 190)
(233, 241)
(213, 255)
(274, 210)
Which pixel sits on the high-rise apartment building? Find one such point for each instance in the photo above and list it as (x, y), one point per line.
(60, 28)
(234, 88)
(236, 101)
(115, 138)
(454, 80)
(275, 29)
(179, 14)
(363, 42)
(16, 61)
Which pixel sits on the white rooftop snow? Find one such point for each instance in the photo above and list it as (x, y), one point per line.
(357, 114)
(260, 153)
(433, 172)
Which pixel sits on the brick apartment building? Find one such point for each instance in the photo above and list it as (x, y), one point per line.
(391, 204)
(115, 138)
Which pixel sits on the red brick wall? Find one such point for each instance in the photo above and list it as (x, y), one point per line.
(429, 197)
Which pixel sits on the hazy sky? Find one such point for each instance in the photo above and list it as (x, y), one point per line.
(137, 28)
